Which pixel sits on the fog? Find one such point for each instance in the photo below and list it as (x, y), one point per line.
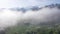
(11, 18)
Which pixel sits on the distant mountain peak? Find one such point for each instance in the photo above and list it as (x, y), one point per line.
(33, 8)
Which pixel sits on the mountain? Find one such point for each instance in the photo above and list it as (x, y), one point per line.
(53, 5)
(35, 8)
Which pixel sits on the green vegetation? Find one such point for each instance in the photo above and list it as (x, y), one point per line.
(33, 29)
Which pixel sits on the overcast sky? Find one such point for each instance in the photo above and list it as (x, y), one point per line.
(25, 3)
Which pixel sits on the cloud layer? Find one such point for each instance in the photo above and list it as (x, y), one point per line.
(11, 18)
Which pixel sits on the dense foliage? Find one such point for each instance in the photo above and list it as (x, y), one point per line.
(33, 29)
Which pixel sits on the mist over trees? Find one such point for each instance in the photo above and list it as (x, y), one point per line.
(32, 24)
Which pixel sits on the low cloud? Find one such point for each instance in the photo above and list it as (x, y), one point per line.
(11, 18)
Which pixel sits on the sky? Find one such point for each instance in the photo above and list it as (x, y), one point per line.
(25, 3)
